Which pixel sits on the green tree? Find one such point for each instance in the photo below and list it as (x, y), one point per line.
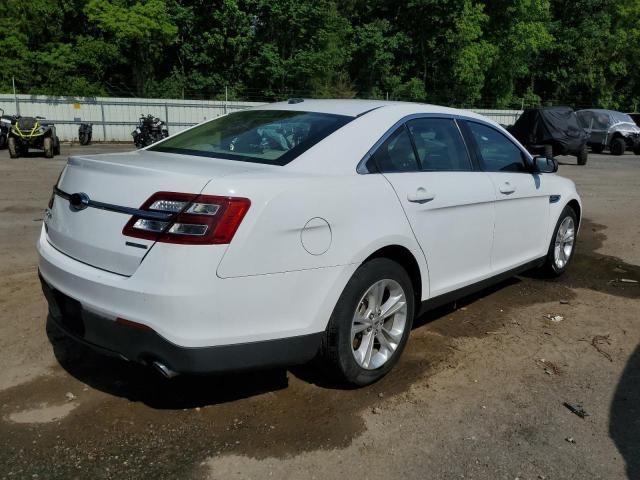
(520, 32)
(454, 52)
(297, 45)
(575, 68)
(141, 32)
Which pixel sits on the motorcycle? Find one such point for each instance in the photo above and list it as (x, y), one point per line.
(150, 129)
(84, 133)
(5, 127)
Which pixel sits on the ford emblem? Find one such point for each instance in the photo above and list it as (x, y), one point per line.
(78, 201)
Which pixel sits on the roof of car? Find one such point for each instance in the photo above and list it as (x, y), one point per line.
(353, 107)
(551, 108)
(598, 110)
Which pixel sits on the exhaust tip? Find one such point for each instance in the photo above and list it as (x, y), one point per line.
(164, 370)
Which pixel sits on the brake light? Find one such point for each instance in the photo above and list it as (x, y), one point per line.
(196, 219)
(135, 325)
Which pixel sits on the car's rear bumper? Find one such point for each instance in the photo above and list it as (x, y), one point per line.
(144, 345)
(177, 294)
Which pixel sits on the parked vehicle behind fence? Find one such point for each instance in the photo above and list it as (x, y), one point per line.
(5, 127)
(608, 129)
(551, 131)
(33, 132)
(150, 130)
(85, 131)
(318, 227)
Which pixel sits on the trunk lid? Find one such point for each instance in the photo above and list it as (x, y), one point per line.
(94, 236)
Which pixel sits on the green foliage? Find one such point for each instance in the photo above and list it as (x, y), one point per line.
(504, 53)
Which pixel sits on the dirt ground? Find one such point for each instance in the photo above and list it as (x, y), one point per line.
(478, 394)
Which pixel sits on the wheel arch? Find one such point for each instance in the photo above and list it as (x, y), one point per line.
(407, 260)
(617, 135)
(575, 205)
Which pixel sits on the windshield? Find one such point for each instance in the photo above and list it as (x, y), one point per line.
(264, 136)
(618, 117)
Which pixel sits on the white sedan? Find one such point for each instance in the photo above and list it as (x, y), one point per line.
(303, 228)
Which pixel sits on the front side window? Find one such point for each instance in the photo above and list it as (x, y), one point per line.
(263, 136)
(396, 153)
(439, 145)
(497, 152)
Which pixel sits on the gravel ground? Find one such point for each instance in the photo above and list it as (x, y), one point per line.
(478, 394)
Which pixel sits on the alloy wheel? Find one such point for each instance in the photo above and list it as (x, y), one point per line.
(378, 324)
(565, 239)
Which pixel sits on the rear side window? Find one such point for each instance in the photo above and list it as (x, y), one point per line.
(396, 153)
(262, 136)
(497, 152)
(439, 145)
(593, 120)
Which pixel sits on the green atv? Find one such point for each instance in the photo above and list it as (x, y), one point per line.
(31, 132)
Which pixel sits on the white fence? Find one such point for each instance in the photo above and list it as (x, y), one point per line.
(113, 119)
(504, 117)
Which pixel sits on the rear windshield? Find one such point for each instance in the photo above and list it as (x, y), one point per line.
(263, 136)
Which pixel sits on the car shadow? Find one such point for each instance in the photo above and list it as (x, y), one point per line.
(318, 374)
(445, 309)
(36, 154)
(573, 163)
(139, 383)
(624, 418)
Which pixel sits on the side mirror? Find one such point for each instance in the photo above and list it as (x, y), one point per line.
(542, 164)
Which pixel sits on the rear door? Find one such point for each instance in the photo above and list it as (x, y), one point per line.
(449, 204)
(522, 200)
(596, 125)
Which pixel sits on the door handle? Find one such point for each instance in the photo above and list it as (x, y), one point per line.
(421, 195)
(507, 188)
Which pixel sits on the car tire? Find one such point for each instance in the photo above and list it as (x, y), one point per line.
(374, 286)
(562, 245)
(48, 147)
(597, 148)
(56, 147)
(3, 140)
(13, 148)
(618, 146)
(636, 151)
(583, 156)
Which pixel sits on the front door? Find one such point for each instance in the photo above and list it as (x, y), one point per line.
(522, 203)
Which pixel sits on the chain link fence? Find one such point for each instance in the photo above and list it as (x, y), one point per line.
(114, 119)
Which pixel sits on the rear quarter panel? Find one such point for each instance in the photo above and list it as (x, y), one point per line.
(362, 211)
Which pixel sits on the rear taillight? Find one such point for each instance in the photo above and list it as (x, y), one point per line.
(196, 219)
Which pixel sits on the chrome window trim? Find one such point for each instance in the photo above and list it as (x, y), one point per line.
(361, 168)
